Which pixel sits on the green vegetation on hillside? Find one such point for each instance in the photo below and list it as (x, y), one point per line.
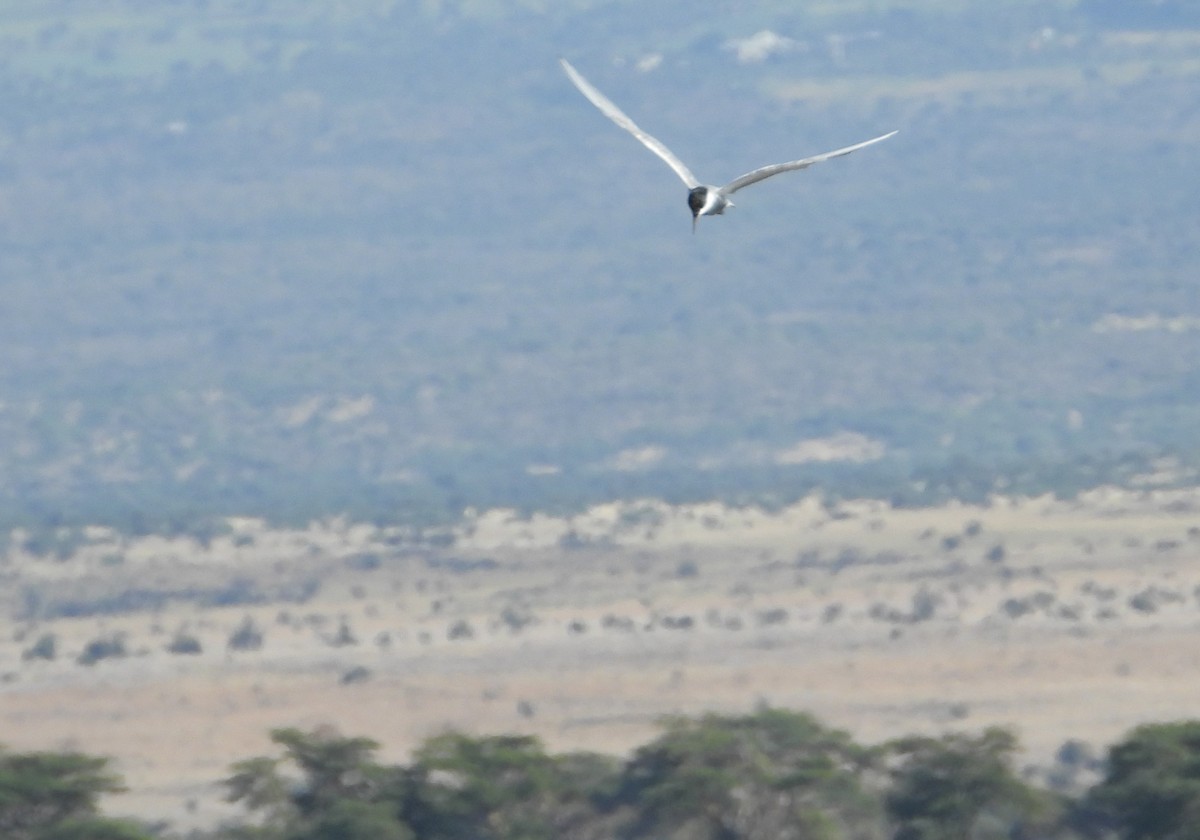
(381, 259)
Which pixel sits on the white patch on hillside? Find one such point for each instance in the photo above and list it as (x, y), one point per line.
(760, 46)
(631, 460)
(1146, 323)
(843, 446)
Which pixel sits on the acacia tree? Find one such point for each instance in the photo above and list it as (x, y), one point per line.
(959, 786)
(54, 796)
(323, 786)
(773, 774)
(1151, 789)
(505, 787)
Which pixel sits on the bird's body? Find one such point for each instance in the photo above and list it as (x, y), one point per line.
(703, 199)
(706, 201)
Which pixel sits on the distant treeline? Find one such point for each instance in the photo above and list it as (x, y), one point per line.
(370, 259)
(764, 776)
(488, 480)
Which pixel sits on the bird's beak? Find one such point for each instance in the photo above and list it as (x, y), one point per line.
(694, 218)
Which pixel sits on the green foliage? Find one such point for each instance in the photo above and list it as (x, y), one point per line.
(771, 775)
(333, 768)
(500, 787)
(257, 784)
(43, 793)
(96, 828)
(685, 772)
(1151, 790)
(352, 819)
(959, 786)
(340, 789)
(751, 777)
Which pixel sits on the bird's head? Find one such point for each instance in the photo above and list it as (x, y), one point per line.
(697, 198)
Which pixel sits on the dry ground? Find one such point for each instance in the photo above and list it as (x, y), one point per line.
(1062, 619)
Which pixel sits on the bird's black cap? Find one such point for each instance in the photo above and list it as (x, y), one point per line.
(696, 198)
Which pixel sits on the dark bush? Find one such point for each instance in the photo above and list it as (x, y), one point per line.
(246, 636)
(460, 629)
(357, 674)
(46, 647)
(111, 647)
(185, 644)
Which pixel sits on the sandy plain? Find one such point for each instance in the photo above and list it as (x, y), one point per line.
(1062, 619)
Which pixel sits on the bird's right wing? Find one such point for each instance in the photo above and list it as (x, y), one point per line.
(775, 168)
(618, 116)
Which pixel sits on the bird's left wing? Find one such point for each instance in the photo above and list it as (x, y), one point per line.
(618, 116)
(775, 168)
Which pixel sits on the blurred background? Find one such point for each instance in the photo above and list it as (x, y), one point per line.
(382, 259)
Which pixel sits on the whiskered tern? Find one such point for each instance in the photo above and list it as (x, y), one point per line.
(703, 199)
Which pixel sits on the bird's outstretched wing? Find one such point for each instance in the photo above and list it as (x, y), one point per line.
(775, 168)
(618, 116)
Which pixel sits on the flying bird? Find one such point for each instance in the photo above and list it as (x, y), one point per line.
(703, 199)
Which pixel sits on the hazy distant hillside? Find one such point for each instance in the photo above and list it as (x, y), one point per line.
(382, 258)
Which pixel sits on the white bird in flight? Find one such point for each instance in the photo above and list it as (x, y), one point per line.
(703, 199)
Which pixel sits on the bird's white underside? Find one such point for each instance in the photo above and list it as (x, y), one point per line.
(717, 198)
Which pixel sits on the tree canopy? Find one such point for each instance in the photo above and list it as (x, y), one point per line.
(55, 796)
(769, 775)
(1152, 786)
(960, 786)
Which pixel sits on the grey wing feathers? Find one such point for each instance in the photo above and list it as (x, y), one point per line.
(618, 116)
(775, 168)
